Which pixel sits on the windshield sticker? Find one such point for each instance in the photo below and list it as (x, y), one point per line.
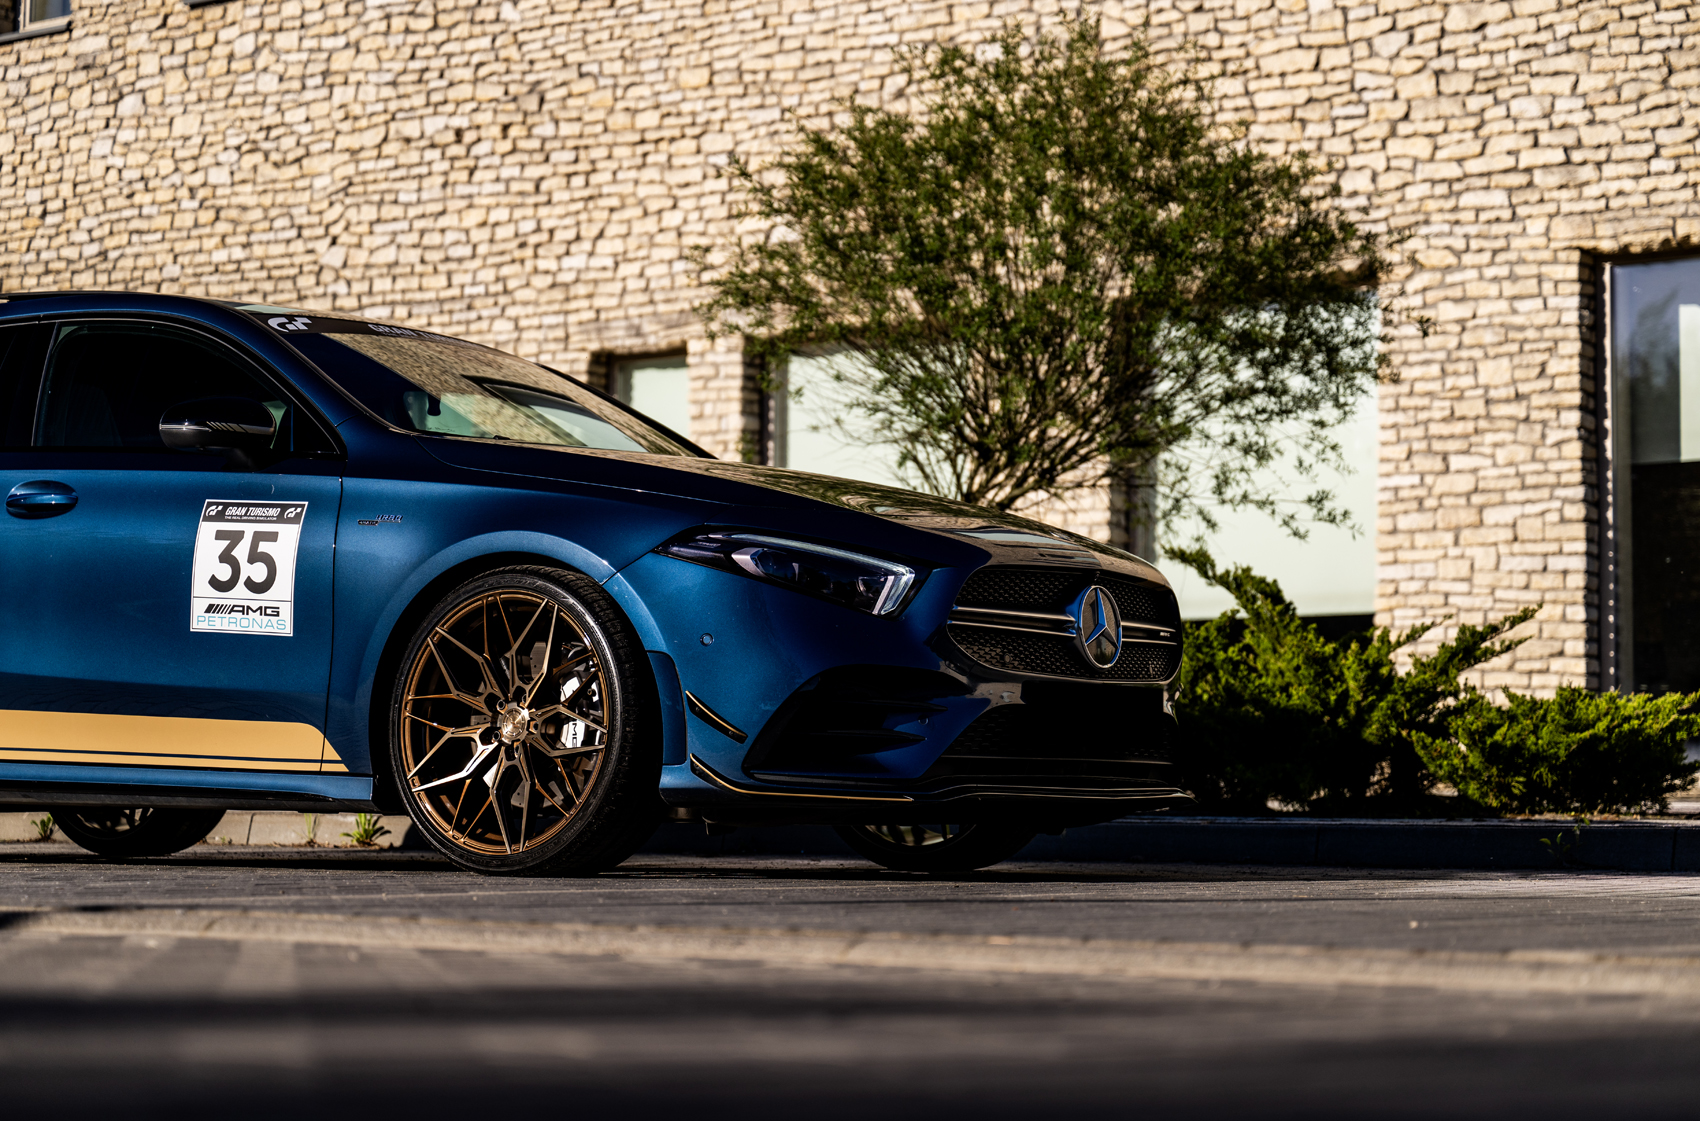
(298, 324)
(243, 579)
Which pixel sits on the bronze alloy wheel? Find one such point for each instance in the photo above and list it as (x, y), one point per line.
(942, 848)
(513, 731)
(134, 831)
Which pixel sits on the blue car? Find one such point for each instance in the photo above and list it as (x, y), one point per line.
(262, 558)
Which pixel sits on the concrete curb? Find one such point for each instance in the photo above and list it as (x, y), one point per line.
(1512, 971)
(1631, 846)
(244, 827)
(1617, 846)
(1627, 846)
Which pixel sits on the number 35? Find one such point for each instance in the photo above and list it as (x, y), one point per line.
(233, 567)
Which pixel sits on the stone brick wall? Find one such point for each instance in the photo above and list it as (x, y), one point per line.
(1519, 146)
(529, 175)
(526, 174)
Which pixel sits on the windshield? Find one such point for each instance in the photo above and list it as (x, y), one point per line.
(441, 386)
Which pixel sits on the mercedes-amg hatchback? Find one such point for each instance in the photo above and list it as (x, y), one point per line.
(257, 557)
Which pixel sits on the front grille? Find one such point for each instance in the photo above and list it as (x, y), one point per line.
(1023, 589)
(1143, 603)
(1033, 644)
(1026, 652)
(1036, 589)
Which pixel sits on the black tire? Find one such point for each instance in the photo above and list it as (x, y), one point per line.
(138, 831)
(494, 778)
(937, 848)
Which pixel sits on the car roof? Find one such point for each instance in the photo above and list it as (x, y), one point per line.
(98, 299)
(72, 293)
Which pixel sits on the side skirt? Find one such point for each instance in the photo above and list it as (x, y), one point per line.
(27, 785)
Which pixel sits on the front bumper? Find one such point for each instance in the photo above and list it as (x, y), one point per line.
(803, 711)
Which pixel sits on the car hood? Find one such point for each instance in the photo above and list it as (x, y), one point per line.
(979, 524)
(1009, 538)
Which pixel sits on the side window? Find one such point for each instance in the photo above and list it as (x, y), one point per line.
(22, 348)
(108, 383)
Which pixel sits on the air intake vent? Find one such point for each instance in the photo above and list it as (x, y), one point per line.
(849, 712)
(1114, 740)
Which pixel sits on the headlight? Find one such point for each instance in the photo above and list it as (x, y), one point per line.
(871, 584)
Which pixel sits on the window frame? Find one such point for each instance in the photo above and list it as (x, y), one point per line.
(27, 28)
(1614, 422)
(260, 369)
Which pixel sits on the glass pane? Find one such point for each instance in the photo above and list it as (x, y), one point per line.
(22, 349)
(48, 9)
(659, 388)
(1655, 330)
(1331, 572)
(810, 431)
(108, 383)
(566, 416)
(452, 388)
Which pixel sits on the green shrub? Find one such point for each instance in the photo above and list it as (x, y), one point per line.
(1579, 752)
(1269, 708)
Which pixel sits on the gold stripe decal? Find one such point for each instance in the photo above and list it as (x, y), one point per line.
(333, 763)
(160, 741)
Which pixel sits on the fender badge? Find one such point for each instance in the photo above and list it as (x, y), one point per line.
(379, 519)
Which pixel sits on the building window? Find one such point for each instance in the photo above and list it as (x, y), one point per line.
(1655, 449)
(809, 430)
(1330, 575)
(657, 387)
(25, 17)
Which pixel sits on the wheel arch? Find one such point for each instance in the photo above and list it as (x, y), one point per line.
(385, 791)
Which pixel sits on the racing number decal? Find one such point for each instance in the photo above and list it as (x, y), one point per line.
(244, 571)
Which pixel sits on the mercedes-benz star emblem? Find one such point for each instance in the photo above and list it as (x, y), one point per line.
(1098, 627)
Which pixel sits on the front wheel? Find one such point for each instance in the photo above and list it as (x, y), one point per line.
(137, 831)
(523, 730)
(937, 848)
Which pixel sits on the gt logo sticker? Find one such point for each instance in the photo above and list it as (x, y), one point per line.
(243, 577)
(290, 322)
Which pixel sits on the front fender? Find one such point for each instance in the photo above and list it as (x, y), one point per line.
(401, 544)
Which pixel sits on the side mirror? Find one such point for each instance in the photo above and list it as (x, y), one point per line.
(238, 425)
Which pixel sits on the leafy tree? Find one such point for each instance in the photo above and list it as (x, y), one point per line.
(1062, 269)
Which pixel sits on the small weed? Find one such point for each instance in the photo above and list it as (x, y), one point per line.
(43, 828)
(1563, 845)
(367, 830)
(310, 822)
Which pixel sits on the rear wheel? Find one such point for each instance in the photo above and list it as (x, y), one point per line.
(522, 730)
(138, 831)
(937, 848)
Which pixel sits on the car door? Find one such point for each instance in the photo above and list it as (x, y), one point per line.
(165, 608)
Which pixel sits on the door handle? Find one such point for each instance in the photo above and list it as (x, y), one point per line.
(41, 498)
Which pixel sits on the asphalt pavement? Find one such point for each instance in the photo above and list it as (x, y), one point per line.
(272, 982)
